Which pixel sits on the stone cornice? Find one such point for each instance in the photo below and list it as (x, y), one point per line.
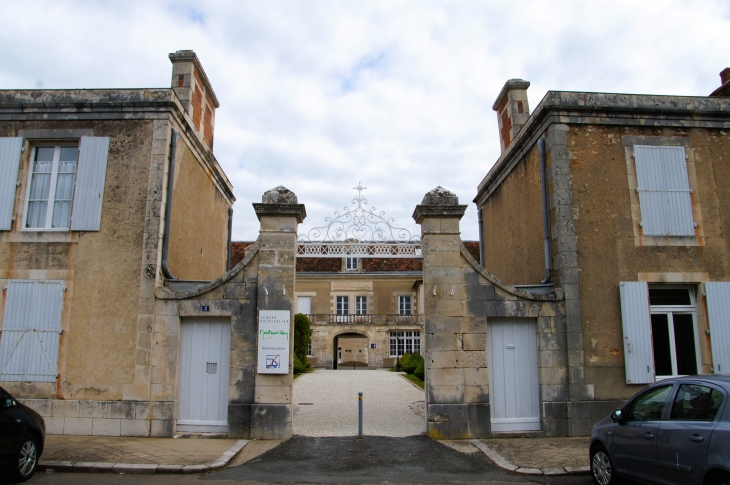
(422, 211)
(278, 210)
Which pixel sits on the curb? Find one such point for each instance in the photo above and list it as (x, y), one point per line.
(142, 468)
(504, 464)
(411, 382)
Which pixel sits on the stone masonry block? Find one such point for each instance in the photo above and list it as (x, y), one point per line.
(41, 406)
(77, 426)
(476, 376)
(93, 409)
(443, 341)
(476, 394)
(579, 410)
(239, 421)
(445, 394)
(474, 341)
(106, 427)
(446, 377)
(120, 410)
(474, 324)
(575, 358)
(552, 341)
(545, 325)
(555, 427)
(481, 292)
(480, 422)
(553, 375)
(554, 392)
(135, 427)
(438, 324)
(441, 275)
(500, 294)
(547, 309)
(582, 392)
(580, 427)
(280, 394)
(160, 428)
(571, 291)
(143, 410)
(575, 341)
(449, 308)
(555, 410)
(65, 409)
(448, 421)
(162, 410)
(576, 375)
(55, 425)
(271, 421)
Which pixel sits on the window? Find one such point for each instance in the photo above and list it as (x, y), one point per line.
(404, 343)
(31, 331)
(343, 305)
(696, 403)
(404, 305)
(664, 191)
(361, 305)
(650, 405)
(350, 264)
(673, 330)
(51, 187)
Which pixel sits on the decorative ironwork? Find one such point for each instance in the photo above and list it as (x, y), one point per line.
(359, 231)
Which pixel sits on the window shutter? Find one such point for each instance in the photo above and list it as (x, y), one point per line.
(664, 191)
(90, 178)
(636, 321)
(718, 312)
(31, 331)
(9, 165)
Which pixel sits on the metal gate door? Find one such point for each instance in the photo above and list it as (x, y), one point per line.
(513, 385)
(205, 353)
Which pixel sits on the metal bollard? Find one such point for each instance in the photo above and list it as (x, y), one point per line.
(359, 412)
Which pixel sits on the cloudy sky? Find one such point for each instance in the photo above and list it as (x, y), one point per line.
(318, 96)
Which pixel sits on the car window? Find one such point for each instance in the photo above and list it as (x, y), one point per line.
(695, 402)
(650, 405)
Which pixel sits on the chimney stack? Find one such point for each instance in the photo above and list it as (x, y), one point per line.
(195, 92)
(512, 110)
(725, 75)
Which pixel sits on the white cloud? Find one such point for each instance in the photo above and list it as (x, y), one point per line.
(318, 96)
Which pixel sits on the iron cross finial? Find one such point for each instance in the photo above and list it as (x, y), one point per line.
(359, 187)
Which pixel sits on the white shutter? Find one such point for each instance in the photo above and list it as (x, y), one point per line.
(718, 312)
(90, 178)
(9, 165)
(664, 191)
(636, 321)
(31, 331)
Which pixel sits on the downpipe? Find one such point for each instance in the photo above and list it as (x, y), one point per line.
(546, 228)
(168, 207)
(230, 235)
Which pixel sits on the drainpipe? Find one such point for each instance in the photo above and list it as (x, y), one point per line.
(481, 235)
(546, 229)
(230, 231)
(168, 207)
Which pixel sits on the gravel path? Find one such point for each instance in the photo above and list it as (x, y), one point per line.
(325, 404)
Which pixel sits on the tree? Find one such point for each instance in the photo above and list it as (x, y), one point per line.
(302, 334)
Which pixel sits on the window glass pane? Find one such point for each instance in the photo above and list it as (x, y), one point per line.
(45, 154)
(40, 184)
(61, 214)
(695, 402)
(669, 296)
(660, 341)
(69, 154)
(36, 214)
(684, 344)
(649, 406)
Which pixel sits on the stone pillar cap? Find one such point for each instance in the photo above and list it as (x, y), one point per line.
(509, 86)
(439, 202)
(280, 201)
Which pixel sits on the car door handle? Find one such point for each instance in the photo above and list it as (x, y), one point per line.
(648, 436)
(696, 438)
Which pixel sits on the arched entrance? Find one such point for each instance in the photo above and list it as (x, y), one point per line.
(351, 351)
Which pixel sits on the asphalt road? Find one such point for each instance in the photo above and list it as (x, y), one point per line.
(341, 460)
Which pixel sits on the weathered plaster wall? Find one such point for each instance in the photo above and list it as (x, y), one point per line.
(199, 221)
(607, 249)
(513, 232)
(97, 350)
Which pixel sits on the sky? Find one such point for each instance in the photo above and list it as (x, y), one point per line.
(319, 96)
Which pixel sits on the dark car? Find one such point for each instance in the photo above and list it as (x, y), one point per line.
(675, 431)
(22, 434)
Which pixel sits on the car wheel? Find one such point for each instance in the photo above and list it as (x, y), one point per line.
(720, 478)
(602, 469)
(25, 458)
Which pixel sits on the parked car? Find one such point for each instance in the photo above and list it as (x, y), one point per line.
(22, 435)
(675, 431)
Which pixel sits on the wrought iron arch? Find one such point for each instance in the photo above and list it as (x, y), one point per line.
(359, 231)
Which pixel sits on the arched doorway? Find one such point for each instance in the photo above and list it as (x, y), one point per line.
(350, 351)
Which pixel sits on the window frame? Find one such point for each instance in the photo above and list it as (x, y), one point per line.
(351, 261)
(670, 311)
(345, 307)
(407, 339)
(52, 187)
(361, 305)
(401, 299)
(631, 405)
(675, 394)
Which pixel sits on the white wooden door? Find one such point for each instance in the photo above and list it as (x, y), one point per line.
(304, 305)
(205, 353)
(513, 384)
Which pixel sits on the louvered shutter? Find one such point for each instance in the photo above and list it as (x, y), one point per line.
(90, 178)
(636, 321)
(664, 191)
(31, 331)
(718, 312)
(9, 165)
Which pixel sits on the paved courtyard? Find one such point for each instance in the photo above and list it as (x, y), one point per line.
(325, 404)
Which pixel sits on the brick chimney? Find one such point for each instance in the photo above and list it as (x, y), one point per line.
(512, 110)
(195, 92)
(724, 89)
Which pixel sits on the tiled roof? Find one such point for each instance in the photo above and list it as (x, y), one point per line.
(334, 265)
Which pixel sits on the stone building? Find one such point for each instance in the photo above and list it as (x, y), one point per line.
(103, 196)
(620, 201)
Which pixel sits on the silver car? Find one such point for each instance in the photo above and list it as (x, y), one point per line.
(675, 431)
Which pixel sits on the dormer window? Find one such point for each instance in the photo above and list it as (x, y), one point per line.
(351, 263)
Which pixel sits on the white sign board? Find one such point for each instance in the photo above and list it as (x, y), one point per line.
(274, 341)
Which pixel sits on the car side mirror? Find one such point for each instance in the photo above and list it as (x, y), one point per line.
(8, 403)
(617, 416)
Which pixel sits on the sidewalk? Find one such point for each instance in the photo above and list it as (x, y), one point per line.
(146, 455)
(538, 456)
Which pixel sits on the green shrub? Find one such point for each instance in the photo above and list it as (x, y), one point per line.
(302, 335)
(411, 364)
(299, 366)
(404, 358)
(419, 372)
